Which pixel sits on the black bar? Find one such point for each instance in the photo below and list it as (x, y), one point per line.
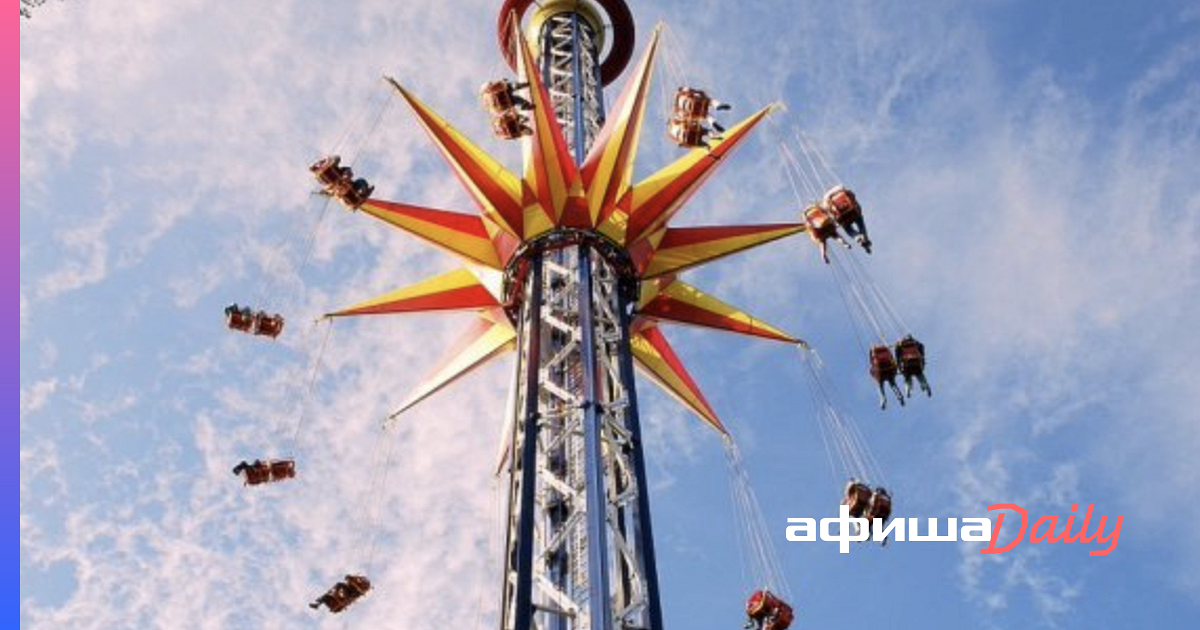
(634, 425)
(524, 596)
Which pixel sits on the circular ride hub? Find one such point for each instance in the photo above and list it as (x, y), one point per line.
(516, 274)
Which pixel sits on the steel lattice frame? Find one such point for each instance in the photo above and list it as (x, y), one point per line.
(579, 552)
(571, 70)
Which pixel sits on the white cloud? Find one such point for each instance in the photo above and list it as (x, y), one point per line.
(92, 411)
(1004, 220)
(188, 290)
(1028, 227)
(35, 397)
(1062, 283)
(1180, 59)
(86, 262)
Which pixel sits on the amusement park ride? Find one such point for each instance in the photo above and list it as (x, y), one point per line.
(575, 266)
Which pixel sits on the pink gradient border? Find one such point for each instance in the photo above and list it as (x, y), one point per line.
(10, 225)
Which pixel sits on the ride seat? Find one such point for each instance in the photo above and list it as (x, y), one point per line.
(283, 469)
(881, 506)
(510, 125)
(782, 619)
(910, 356)
(691, 103)
(239, 319)
(820, 225)
(883, 364)
(257, 473)
(357, 585)
(497, 97)
(844, 206)
(858, 498)
(268, 325)
(687, 133)
(773, 613)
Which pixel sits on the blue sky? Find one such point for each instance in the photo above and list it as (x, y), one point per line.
(1031, 179)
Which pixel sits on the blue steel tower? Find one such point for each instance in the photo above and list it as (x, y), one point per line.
(580, 549)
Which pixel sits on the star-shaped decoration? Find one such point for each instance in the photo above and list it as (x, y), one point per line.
(599, 198)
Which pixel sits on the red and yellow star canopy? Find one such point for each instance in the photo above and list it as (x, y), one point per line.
(600, 197)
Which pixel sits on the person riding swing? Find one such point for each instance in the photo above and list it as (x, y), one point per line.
(341, 595)
(910, 355)
(884, 371)
(821, 228)
(847, 212)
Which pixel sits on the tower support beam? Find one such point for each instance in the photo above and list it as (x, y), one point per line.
(597, 498)
(529, 365)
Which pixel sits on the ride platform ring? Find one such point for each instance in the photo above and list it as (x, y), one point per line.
(618, 55)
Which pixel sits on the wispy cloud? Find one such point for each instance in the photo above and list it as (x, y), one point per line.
(1028, 229)
(1046, 244)
(86, 259)
(34, 397)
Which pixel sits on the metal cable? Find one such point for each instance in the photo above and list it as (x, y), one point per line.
(306, 402)
(767, 569)
(813, 189)
(816, 173)
(805, 140)
(852, 289)
(856, 456)
(880, 297)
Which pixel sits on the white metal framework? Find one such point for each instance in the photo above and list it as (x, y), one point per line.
(571, 67)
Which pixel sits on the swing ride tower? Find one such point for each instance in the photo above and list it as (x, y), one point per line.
(573, 265)
(579, 550)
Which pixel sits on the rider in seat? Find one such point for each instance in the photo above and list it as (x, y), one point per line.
(255, 474)
(500, 96)
(268, 325)
(339, 182)
(357, 193)
(239, 318)
(884, 370)
(503, 103)
(880, 508)
(341, 595)
(767, 612)
(858, 497)
(846, 211)
(689, 133)
(283, 469)
(329, 171)
(910, 354)
(821, 228)
(692, 124)
(261, 471)
(694, 104)
(511, 125)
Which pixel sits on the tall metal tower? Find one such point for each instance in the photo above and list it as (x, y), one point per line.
(574, 266)
(579, 552)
